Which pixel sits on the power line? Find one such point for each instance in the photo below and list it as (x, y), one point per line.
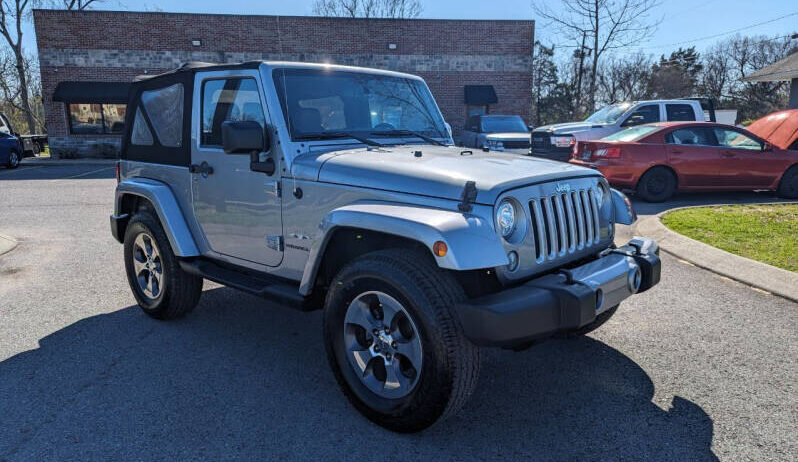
(708, 37)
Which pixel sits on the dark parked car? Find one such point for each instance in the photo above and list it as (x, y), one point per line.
(498, 133)
(11, 150)
(657, 160)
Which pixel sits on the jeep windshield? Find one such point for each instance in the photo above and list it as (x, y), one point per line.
(323, 104)
(609, 114)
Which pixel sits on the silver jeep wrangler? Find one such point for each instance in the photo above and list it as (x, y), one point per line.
(338, 188)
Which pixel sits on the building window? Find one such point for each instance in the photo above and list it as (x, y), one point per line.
(96, 119)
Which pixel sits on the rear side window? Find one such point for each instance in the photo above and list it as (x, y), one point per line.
(141, 134)
(736, 140)
(679, 112)
(165, 110)
(698, 136)
(225, 100)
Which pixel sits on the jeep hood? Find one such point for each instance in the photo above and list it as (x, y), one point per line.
(440, 171)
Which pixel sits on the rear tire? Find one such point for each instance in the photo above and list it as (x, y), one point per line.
(13, 159)
(448, 367)
(657, 185)
(788, 186)
(162, 289)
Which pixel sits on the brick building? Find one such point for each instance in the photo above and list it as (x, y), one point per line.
(87, 58)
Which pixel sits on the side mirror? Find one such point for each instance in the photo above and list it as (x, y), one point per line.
(248, 137)
(530, 127)
(242, 137)
(634, 120)
(767, 147)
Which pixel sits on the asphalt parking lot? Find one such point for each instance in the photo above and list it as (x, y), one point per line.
(698, 368)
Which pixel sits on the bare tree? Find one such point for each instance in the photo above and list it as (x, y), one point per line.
(624, 78)
(607, 24)
(77, 4)
(368, 8)
(12, 13)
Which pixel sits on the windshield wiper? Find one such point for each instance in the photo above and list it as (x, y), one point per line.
(337, 135)
(426, 138)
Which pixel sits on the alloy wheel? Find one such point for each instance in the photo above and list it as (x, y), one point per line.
(148, 265)
(382, 345)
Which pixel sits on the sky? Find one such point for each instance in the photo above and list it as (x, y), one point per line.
(683, 21)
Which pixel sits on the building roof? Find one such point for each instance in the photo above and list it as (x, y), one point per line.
(785, 69)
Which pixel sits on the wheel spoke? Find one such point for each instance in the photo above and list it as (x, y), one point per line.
(359, 314)
(362, 359)
(390, 308)
(371, 381)
(412, 351)
(138, 266)
(394, 378)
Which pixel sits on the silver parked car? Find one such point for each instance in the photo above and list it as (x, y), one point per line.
(498, 133)
(339, 189)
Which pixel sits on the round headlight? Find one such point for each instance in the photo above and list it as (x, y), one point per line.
(505, 218)
(601, 194)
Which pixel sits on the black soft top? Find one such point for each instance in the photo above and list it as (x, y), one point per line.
(160, 152)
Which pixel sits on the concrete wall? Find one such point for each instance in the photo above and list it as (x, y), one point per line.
(117, 46)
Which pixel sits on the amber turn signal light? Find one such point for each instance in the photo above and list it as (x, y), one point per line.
(439, 248)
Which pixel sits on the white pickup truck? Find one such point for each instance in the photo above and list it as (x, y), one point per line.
(556, 141)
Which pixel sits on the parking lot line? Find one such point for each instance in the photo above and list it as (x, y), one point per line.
(86, 173)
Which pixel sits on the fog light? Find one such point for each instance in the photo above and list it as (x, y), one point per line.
(513, 257)
(635, 279)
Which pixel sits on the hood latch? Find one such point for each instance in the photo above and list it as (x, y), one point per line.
(468, 197)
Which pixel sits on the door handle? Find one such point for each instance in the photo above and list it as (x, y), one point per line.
(203, 169)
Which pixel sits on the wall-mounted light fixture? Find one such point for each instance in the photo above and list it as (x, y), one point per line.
(391, 46)
(196, 43)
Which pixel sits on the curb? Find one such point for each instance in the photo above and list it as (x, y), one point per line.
(31, 161)
(753, 273)
(7, 244)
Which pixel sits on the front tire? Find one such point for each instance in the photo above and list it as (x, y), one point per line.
(657, 185)
(162, 289)
(788, 186)
(13, 159)
(394, 342)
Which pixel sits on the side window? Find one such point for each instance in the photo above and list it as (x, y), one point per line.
(141, 134)
(164, 107)
(472, 124)
(679, 112)
(736, 140)
(643, 115)
(228, 100)
(698, 136)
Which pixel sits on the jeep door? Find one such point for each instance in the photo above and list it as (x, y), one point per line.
(237, 209)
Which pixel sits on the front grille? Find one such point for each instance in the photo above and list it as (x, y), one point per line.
(515, 144)
(542, 142)
(564, 223)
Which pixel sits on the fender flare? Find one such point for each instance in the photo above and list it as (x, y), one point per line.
(471, 240)
(624, 212)
(166, 206)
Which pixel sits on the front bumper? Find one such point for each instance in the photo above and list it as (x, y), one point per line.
(563, 301)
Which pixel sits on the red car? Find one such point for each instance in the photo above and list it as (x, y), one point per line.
(657, 160)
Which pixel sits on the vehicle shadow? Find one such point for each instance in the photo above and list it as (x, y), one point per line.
(244, 379)
(58, 172)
